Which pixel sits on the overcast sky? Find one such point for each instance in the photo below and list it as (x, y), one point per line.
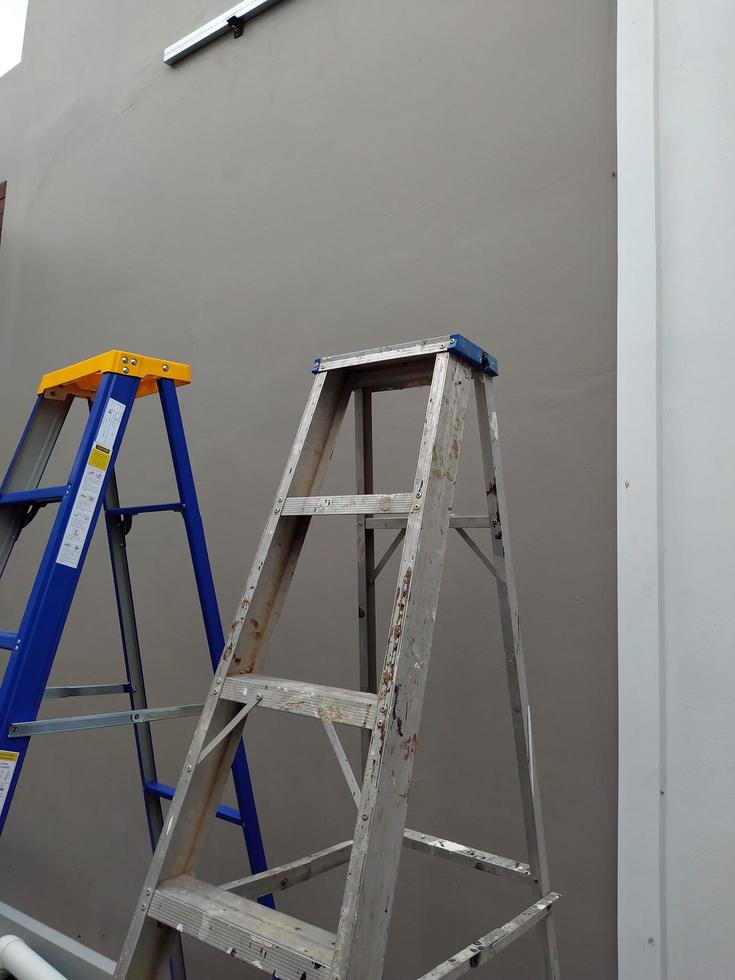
(12, 25)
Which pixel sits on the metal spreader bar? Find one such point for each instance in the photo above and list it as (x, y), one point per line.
(111, 719)
(110, 385)
(387, 709)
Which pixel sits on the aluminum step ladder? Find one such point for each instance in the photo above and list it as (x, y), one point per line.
(110, 383)
(388, 708)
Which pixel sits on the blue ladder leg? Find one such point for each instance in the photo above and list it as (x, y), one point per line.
(210, 612)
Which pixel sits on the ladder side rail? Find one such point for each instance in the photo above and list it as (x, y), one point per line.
(192, 518)
(131, 654)
(36, 444)
(373, 869)
(366, 622)
(28, 465)
(514, 657)
(275, 561)
(115, 524)
(146, 945)
(210, 611)
(53, 590)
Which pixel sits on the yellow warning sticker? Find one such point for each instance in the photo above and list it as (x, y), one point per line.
(99, 457)
(8, 762)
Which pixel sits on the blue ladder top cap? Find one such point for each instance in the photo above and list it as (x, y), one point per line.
(471, 352)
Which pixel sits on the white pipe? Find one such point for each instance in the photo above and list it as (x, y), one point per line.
(22, 963)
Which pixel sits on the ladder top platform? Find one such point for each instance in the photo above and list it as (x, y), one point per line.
(455, 342)
(83, 378)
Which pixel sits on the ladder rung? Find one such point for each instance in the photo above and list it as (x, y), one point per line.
(41, 495)
(469, 856)
(278, 944)
(164, 792)
(490, 945)
(338, 705)
(455, 521)
(7, 640)
(144, 509)
(366, 503)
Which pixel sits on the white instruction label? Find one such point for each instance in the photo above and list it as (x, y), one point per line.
(82, 511)
(8, 761)
(110, 423)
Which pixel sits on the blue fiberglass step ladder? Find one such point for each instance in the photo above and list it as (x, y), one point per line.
(110, 384)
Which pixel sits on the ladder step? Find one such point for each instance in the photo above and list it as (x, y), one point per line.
(41, 495)
(278, 944)
(454, 342)
(7, 640)
(344, 707)
(163, 792)
(365, 503)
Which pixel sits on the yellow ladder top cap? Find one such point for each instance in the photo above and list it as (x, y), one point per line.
(82, 379)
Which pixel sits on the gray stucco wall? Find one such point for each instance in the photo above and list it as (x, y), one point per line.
(347, 174)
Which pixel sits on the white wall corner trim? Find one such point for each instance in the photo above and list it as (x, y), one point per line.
(641, 940)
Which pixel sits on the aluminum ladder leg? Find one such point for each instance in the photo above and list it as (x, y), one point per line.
(173, 900)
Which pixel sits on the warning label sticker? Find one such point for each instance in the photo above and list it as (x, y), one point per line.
(7, 768)
(99, 457)
(85, 503)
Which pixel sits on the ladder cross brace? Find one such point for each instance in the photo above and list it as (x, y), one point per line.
(494, 942)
